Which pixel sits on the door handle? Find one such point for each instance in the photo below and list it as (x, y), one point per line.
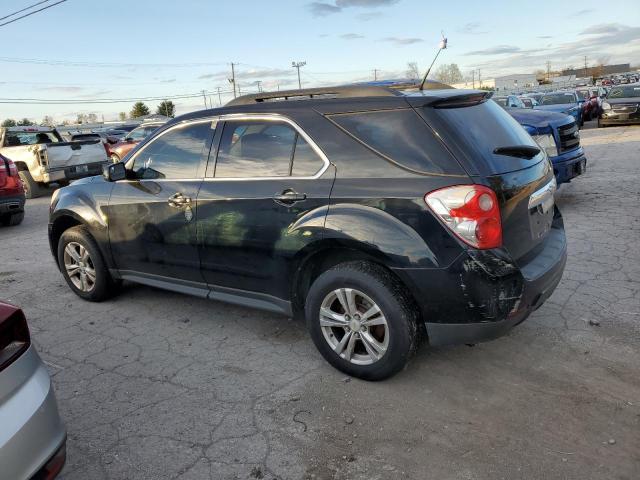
(289, 197)
(178, 200)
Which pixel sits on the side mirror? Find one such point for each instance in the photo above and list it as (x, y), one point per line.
(114, 172)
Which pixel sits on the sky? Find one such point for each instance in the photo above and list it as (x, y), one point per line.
(85, 50)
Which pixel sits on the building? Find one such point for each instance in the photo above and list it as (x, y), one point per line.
(516, 81)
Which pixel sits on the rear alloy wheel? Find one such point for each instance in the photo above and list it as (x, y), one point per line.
(82, 266)
(362, 320)
(354, 326)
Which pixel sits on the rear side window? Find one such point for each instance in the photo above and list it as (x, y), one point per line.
(402, 137)
(257, 148)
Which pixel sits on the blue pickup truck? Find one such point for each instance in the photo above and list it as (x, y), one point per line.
(558, 135)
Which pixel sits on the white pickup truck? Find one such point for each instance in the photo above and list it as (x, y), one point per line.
(43, 157)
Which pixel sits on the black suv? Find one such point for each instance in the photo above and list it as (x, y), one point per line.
(379, 215)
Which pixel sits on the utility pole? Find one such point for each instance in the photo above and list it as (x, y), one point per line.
(232, 80)
(548, 71)
(473, 79)
(204, 96)
(375, 74)
(297, 66)
(585, 66)
(219, 97)
(239, 92)
(259, 82)
(479, 80)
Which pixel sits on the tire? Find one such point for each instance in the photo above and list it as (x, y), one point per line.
(115, 158)
(79, 240)
(32, 188)
(369, 284)
(12, 219)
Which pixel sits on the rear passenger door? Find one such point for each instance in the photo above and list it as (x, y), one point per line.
(264, 199)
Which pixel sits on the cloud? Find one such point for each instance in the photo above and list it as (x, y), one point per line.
(583, 12)
(544, 36)
(472, 28)
(603, 28)
(351, 36)
(322, 9)
(621, 44)
(497, 50)
(250, 74)
(402, 41)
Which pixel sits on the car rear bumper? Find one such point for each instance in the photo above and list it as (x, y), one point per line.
(13, 204)
(32, 436)
(75, 172)
(482, 297)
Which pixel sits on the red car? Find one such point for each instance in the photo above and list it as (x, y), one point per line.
(592, 105)
(134, 137)
(12, 196)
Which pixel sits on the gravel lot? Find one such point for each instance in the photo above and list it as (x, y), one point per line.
(157, 385)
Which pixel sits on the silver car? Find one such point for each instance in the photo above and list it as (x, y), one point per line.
(32, 435)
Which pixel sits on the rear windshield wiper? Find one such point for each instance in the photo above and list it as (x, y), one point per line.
(519, 151)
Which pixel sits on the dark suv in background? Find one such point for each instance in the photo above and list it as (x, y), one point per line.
(379, 215)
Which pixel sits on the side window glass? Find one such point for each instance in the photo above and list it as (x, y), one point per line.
(175, 154)
(306, 162)
(250, 149)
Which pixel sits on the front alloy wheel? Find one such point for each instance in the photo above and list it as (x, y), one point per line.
(354, 326)
(79, 267)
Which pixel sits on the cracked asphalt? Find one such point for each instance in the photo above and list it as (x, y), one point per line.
(157, 385)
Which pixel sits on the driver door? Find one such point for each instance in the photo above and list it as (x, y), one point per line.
(152, 214)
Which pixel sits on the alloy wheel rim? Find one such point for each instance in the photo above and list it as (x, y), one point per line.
(354, 326)
(79, 266)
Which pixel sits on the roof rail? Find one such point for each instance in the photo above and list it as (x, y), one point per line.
(310, 93)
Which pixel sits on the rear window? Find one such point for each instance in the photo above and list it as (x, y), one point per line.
(402, 137)
(476, 131)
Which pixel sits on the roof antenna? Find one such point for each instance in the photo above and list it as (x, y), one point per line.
(441, 46)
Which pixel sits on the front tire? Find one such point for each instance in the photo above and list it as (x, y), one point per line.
(83, 267)
(362, 320)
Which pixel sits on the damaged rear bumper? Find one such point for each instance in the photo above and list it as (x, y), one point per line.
(482, 295)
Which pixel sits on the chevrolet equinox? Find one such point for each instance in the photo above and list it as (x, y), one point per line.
(383, 217)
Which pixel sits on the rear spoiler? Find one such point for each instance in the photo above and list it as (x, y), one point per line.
(450, 99)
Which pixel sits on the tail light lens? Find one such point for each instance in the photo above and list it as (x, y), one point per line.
(471, 212)
(9, 178)
(14, 335)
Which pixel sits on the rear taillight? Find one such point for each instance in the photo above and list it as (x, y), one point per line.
(9, 179)
(14, 336)
(471, 212)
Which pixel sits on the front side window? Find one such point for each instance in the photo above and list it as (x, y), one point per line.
(259, 148)
(137, 134)
(175, 154)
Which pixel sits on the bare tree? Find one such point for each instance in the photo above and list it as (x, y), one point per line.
(449, 73)
(413, 72)
(47, 121)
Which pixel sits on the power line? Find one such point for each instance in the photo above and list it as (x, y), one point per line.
(32, 13)
(49, 101)
(24, 9)
(67, 63)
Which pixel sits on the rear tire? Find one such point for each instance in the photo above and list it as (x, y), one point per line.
(83, 267)
(12, 219)
(371, 346)
(115, 158)
(32, 188)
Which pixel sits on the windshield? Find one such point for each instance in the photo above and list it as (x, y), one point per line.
(16, 139)
(624, 92)
(558, 99)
